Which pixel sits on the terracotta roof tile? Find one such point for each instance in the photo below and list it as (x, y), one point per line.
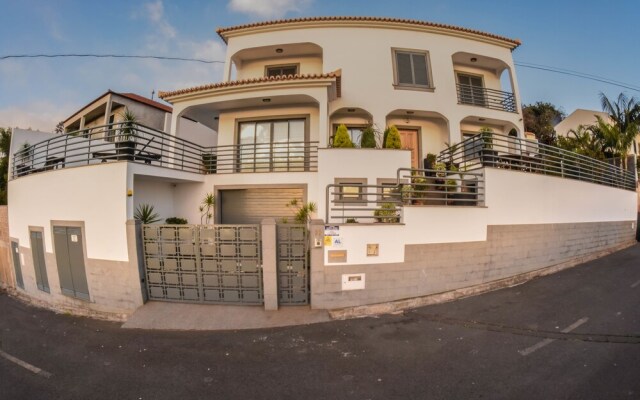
(147, 101)
(264, 79)
(221, 31)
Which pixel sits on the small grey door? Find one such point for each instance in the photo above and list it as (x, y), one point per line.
(15, 253)
(70, 259)
(37, 249)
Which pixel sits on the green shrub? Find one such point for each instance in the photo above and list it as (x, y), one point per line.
(387, 213)
(393, 139)
(175, 221)
(368, 138)
(342, 139)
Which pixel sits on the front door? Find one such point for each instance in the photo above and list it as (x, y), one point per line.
(409, 140)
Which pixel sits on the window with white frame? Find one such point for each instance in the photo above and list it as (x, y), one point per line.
(412, 69)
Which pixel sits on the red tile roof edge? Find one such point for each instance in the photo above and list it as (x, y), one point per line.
(221, 31)
(264, 79)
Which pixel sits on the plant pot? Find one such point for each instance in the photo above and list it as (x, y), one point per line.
(125, 150)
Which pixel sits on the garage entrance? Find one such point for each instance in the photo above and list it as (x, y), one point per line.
(251, 206)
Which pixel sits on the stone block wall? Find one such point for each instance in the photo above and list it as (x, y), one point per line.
(6, 267)
(509, 250)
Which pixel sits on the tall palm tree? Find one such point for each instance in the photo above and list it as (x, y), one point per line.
(625, 114)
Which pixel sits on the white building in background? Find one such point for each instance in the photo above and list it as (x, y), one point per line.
(287, 86)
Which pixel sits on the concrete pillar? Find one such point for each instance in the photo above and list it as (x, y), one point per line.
(316, 260)
(269, 264)
(136, 265)
(82, 120)
(107, 111)
(323, 123)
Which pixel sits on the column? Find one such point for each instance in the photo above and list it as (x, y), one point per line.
(269, 264)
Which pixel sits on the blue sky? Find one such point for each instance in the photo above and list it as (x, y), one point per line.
(595, 37)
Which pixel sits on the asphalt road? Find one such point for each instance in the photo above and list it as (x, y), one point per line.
(507, 344)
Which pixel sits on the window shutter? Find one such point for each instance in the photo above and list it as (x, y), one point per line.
(420, 69)
(403, 64)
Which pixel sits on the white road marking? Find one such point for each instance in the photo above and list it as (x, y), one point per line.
(545, 342)
(635, 284)
(25, 365)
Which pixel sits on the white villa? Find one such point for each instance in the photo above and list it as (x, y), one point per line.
(388, 224)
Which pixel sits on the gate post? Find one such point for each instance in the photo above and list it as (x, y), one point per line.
(269, 264)
(316, 260)
(136, 259)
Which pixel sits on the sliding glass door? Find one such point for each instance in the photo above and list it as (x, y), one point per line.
(271, 146)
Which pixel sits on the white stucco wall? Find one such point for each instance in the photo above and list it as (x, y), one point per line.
(511, 198)
(256, 68)
(94, 194)
(364, 54)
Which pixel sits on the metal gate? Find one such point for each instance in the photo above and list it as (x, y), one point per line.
(293, 264)
(203, 263)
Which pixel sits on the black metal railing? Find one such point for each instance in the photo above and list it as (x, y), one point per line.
(508, 152)
(487, 98)
(141, 144)
(352, 203)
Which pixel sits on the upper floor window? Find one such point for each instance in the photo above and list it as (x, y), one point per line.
(280, 70)
(412, 69)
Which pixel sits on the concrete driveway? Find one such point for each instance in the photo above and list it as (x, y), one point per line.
(572, 335)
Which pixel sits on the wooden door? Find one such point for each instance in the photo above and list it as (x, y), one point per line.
(409, 140)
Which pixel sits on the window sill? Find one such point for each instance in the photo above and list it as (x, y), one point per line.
(416, 88)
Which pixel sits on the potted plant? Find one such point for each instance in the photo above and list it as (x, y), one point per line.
(487, 154)
(368, 138)
(126, 145)
(393, 139)
(209, 163)
(342, 138)
(429, 162)
(387, 214)
(419, 186)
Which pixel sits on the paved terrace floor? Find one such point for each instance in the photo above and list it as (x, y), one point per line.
(572, 335)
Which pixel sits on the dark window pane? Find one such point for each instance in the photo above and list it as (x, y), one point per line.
(420, 69)
(403, 64)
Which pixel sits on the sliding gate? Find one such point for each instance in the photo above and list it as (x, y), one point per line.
(203, 263)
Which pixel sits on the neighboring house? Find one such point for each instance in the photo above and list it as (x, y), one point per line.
(383, 229)
(109, 108)
(587, 118)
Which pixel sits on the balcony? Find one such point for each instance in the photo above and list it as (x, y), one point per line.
(487, 98)
(143, 145)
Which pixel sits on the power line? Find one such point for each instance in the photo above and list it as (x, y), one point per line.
(109, 56)
(578, 74)
(523, 64)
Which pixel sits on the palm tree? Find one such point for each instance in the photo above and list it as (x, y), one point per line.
(625, 114)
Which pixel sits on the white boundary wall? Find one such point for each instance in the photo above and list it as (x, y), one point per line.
(512, 198)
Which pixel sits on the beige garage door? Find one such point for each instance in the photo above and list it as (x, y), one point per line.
(250, 206)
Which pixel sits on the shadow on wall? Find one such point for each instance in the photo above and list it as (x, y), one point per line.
(638, 228)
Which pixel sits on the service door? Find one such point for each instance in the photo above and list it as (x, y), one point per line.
(409, 140)
(37, 250)
(15, 255)
(70, 259)
(251, 206)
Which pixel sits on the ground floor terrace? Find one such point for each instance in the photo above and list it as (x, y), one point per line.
(495, 208)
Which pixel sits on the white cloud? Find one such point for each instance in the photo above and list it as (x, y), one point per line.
(154, 12)
(268, 8)
(38, 115)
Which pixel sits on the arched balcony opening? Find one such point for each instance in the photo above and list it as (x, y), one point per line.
(483, 81)
(354, 118)
(279, 59)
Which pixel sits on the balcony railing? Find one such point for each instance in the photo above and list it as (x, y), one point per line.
(351, 203)
(487, 98)
(507, 152)
(140, 144)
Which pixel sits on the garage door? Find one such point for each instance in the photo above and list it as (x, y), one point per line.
(251, 206)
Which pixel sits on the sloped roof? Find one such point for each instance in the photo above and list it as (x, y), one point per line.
(222, 32)
(130, 96)
(264, 79)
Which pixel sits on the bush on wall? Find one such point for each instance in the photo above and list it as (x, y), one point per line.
(342, 139)
(393, 139)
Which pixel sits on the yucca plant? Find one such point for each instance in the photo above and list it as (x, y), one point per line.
(145, 214)
(129, 120)
(207, 208)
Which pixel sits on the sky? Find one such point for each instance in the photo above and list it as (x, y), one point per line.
(594, 37)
